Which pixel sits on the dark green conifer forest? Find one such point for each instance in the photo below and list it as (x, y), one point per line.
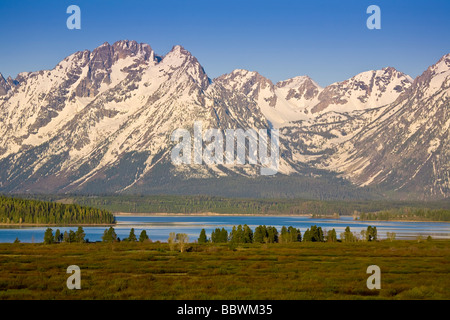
(17, 211)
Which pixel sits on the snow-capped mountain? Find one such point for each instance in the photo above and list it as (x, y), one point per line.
(406, 144)
(300, 98)
(280, 103)
(100, 110)
(101, 121)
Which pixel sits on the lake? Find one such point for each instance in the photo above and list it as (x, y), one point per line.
(159, 227)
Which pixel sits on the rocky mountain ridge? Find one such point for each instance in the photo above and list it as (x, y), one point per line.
(104, 118)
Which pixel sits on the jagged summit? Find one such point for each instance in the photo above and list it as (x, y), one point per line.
(4, 87)
(434, 79)
(296, 81)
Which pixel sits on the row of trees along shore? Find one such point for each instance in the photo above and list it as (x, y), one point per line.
(269, 234)
(239, 234)
(17, 211)
(408, 214)
(109, 235)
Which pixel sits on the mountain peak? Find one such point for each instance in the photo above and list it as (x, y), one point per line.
(443, 64)
(250, 83)
(434, 79)
(387, 74)
(296, 82)
(177, 47)
(178, 55)
(124, 48)
(104, 44)
(247, 75)
(180, 50)
(390, 70)
(368, 89)
(4, 87)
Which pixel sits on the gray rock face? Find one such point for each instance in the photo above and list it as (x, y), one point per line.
(307, 89)
(101, 59)
(4, 86)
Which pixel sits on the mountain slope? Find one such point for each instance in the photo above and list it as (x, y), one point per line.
(406, 147)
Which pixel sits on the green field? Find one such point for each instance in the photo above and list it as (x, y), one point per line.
(307, 270)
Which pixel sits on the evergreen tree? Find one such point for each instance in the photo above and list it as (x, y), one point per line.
(233, 235)
(14, 210)
(316, 234)
(272, 235)
(248, 234)
(331, 235)
(58, 236)
(294, 234)
(307, 236)
(260, 234)
(371, 233)
(132, 236)
(240, 234)
(48, 236)
(223, 235)
(72, 236)
(202, 238)
(143, 237)
(109, 235)
(237, 235)
(215, 235)
(320, 237)
(79, 235)
(66, 237)
(284, 235)
(219, 236)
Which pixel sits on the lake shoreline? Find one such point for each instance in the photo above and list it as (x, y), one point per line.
(15, 225)
(212, 214)
(159, 226)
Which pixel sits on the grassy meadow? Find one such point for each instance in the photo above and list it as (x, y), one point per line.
(409, 270)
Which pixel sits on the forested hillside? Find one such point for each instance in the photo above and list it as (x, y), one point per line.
(408, 214)
(13, 211)
(203, 204)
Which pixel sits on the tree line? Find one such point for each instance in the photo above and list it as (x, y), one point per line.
(67, 237)
(17, 211)
(408, 214)
(109, 235)
(242, 234)
(203, 203)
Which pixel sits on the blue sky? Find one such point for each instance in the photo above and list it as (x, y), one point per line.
(327, 40)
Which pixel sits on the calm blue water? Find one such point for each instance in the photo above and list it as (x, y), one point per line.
(159, 227)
